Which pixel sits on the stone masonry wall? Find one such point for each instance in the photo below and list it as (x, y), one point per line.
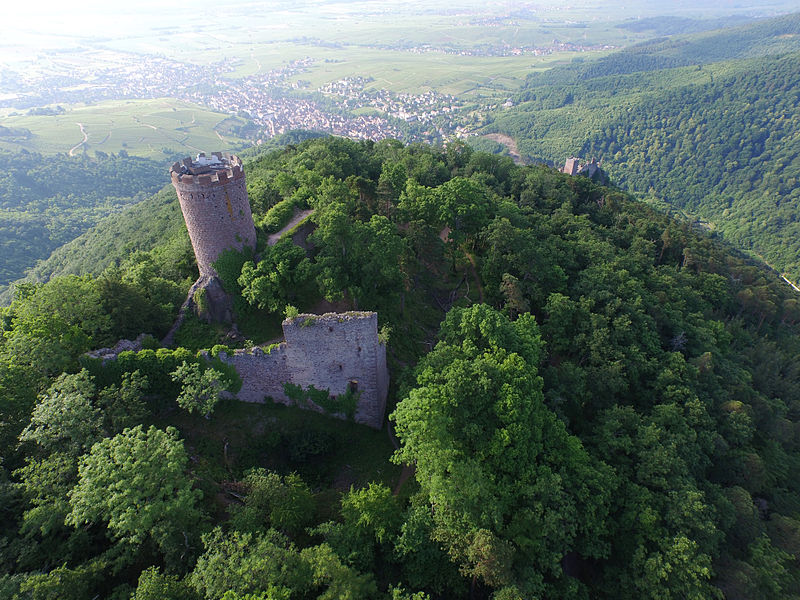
(263, 373)
(331, 351)
(216, 210)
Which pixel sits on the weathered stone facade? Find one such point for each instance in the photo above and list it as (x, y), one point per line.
(591, 170)
(571, 166)
(334, 352)
(213, 197)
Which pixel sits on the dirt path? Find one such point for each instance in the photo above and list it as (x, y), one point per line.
(797, 289)
(273, 239)
(408, 470)
(510, 145)
(475, 276)
(85, 139)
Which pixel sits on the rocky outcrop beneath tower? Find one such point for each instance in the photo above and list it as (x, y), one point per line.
(208, 300)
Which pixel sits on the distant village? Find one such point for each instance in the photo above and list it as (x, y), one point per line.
(275, 101)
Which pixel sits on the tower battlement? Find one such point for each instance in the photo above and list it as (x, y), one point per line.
(213, 196)
(218, 168)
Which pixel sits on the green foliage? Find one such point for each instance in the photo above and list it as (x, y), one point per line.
(423, 563)
(309, 445)
(64, 418)
(622, 405)
(658, 114)
(138, 297)
(215, 351)
(122, 406)
(229, 266)
(343, 404)
(279, 215)
(52, 324)
(246, 563)
(153, 497)
(357, 258)
(158, 368)
(60, 583)
(282, 276)
(373, 511)
(195, 333)
(200, 299)
(201, 389)
(284, 503)
(488, 450)
(154, 225)
(154, 585)
(77, 192)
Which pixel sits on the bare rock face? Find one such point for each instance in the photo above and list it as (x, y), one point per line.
(121, 346)
(210, 300)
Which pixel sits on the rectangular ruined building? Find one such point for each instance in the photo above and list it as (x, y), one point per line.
(335, 352)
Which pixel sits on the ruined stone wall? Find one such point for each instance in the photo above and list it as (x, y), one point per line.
(263, 373)
(216, 209)
(336, 351)
(333, 352)
(571, 166)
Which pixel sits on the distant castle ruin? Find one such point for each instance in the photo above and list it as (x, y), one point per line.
(592, 169)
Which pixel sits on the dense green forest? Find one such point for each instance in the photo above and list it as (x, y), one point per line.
(46, 201)
(599, 402)
(705, 125)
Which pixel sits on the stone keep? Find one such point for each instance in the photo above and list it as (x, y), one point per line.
(334, 352)
(213, 198)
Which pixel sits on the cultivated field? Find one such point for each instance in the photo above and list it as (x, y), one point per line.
(150, 128)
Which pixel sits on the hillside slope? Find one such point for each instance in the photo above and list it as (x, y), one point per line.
(717, 140)
(46, 201)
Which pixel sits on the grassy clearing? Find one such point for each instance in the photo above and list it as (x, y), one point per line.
(150, 128)
(330, 454)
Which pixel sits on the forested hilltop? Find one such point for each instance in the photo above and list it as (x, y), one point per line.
(600, 402)
(708, 124)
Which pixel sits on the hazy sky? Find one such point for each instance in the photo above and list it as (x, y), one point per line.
(50, 23)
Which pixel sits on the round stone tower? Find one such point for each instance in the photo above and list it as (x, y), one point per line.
(213, 197)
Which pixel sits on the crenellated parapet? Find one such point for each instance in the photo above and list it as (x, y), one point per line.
(219, 168)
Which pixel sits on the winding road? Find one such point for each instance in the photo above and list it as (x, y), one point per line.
(85, 139)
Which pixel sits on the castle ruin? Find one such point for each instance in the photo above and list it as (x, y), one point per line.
(592, 169)
(338, 352)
